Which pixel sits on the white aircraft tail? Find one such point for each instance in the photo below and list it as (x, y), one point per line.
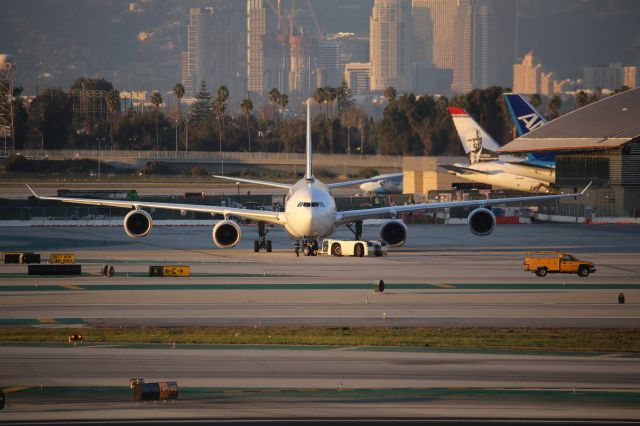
(309, 174)
(474, 139)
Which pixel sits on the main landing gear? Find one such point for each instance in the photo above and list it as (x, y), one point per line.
(262, 243)
(356, 229)
(309, 247)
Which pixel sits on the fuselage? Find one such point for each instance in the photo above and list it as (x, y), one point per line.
(310, 210)
(496, 174)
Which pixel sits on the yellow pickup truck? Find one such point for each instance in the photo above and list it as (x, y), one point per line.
(545, 262)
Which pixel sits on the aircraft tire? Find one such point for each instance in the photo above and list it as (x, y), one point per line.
(269, 247)
(256, 246)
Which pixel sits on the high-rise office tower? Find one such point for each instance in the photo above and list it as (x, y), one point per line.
(433, 31)
(328, 61)
(484, 45)
(302, 71)
(527, 76)
(213, 51)
(391, 55)
(256, 33)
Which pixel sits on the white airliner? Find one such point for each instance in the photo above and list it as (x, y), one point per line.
(309, 214)
(486, 167)
(386, 184)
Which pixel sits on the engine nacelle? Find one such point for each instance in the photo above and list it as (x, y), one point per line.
(226, 234)
(137, 223)
(394, 233)
(482, 221)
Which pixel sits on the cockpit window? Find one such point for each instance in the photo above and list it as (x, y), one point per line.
(311, 204)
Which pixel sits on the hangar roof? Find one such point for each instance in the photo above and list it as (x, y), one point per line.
(607, 123)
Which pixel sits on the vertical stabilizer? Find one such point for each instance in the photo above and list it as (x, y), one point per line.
(473, 137)
(525, 117)
(309, 174)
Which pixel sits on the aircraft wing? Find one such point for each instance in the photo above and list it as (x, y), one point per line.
(256, 182)
(361, 181)
(348, 216)
(463, 170)
(276, 218)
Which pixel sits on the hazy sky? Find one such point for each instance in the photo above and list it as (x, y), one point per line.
(63, 39)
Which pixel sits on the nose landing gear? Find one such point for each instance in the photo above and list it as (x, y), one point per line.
(309, 247)
(262, 243)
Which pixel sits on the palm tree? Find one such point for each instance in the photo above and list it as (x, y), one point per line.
(247, 106)
(283, 100)
(274, 97)
(156, 100)
(113, 99)
(331, 95)
(178, 91)
(219, 106)
(319, 96)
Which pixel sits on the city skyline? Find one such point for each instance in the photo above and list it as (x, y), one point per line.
(318, 56)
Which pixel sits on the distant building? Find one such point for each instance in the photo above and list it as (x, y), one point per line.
(256, 31)
(484, 45)
(429, 79)
(527, 75)
(328, 62)
(391, 38)
(546, 83)
(611, 77)
(185, 75)
(213, 51)
(433, 30)
(302, 72)
(357, 76)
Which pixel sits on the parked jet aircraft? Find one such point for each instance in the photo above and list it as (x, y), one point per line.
(383, 185)
(503, 171)
(525, 119)
(310, 212)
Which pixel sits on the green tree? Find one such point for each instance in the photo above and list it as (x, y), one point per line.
(219, 107)
(390, 93)
(51, 116)
(554, 107)
(283, 100)
(178, 91)
(247, 107)
(331, 95)
(113, 105)
(582, 99)
(201, 110)
(621, 89)
(274, 97)
(345, 99)
(535, 100)
(320, 96)
(156, 100)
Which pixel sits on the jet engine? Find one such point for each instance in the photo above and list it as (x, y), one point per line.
(482, 221)
(137, 223)
(226, 234)
(394, 233)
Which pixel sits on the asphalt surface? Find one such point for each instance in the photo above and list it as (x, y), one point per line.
(443, 276)
(318, 382)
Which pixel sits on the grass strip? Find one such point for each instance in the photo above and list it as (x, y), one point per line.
(543, 339)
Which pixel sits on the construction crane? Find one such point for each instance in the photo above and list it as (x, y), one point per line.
(315, 19)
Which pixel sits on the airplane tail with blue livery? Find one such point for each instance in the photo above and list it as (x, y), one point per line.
(526, 119)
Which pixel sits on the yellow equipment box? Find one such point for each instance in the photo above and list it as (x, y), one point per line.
(62, 258)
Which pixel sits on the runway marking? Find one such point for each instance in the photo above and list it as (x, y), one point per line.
(316, 286)
(72, 287)
(47, 320)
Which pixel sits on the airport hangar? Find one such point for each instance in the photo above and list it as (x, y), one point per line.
(599, 142)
